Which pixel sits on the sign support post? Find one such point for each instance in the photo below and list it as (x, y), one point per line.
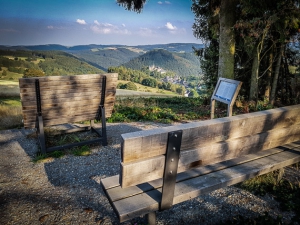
(226, 91)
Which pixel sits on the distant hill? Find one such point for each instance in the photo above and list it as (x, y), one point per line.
(183, 64)
(105, 56)
(50, 62)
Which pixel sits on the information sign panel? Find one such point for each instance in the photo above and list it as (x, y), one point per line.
(226, 91)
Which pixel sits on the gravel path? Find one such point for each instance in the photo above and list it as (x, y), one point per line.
(67, 190)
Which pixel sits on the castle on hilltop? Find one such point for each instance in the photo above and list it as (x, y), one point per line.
(157, 69)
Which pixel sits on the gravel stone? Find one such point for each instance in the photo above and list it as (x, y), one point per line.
(67, 190)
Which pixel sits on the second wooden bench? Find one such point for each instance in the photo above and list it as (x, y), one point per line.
(165, 166)
(54, 100)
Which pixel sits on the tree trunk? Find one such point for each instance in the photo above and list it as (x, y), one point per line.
(269, 77)
(227, 39)
(254, 74)
(276, 74)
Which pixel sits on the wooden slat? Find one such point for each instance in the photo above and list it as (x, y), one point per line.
(114, 190)
(109, 76)
(63, 97)
(145, 170)
(69, 113)
(72, 83)
(67, 89)
(64, 120)
(62, 101)
(150, 143)
(93, 93)
(149, 201)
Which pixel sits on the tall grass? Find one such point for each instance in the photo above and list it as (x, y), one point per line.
(10, 117)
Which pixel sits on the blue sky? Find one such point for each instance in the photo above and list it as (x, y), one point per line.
(77, 22)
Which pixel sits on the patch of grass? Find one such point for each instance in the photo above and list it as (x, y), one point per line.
(40, 157)
(165, 110)
(56, 154)
(81, 151)
(10, 115)
(287, 193)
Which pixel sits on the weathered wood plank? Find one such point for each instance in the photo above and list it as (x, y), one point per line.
(62, 101)
(48, 115)
(136, 145)
(74, 83)
(114, 190)
(145, 170)
(31, 97)
(149, 201)
(109, 76)
(66, 98)
(67, 88)
(63, 120)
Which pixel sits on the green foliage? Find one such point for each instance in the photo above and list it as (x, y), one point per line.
(165, 110)
(150, 82)
(128, 74)
(180, 90)
(33, 73)
(194, 93)
(128, 86)
(81, 151)
(56, 154)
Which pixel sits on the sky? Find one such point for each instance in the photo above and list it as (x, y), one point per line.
(82, 22)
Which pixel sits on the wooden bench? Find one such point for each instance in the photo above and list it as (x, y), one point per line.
(55, 100)
(165, 166)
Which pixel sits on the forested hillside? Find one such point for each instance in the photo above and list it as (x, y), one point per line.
(183, 64)
(107, 57)
(48, 62)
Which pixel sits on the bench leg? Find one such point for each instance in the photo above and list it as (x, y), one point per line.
(151, 218)
(41, 134)
(103, 120)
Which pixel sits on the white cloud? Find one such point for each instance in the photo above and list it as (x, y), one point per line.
(82, 22)
(159, 3)
(50, 27)
(167, 2)
(146, 32)
(169, 26)
(96, 22)
(107, 28)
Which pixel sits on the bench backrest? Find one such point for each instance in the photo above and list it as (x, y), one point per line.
(206, 142)
(67, 99)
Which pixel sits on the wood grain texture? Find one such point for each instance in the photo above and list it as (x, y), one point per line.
(116, 192)
(146, 169)
(149, 143)
(148, 201)
(66, 98)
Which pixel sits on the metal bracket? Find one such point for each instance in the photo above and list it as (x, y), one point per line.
(38, 97)
(39, 117)
(102, 101)
(171, 165)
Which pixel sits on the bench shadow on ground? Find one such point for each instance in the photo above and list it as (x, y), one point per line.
(81, 175)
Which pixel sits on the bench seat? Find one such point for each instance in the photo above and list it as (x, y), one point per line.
(133, 201)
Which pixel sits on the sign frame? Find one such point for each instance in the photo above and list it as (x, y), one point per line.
(226, 91)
